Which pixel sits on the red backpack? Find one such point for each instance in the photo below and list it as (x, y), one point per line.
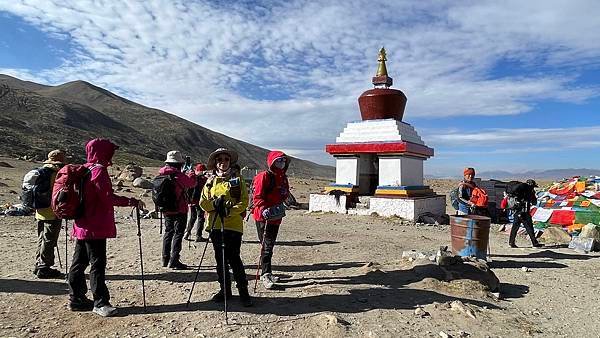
(479, 197)
(67, 194)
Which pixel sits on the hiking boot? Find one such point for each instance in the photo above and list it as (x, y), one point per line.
(177, 265)
(48, 273)
(245, 297)
(220, 296)
(105, 311)
(537, 245)
(512, 245)
(267, 281)
(165, 262)
(81, 304)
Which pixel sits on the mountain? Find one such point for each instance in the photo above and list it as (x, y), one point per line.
(551, 174)
(36, 118)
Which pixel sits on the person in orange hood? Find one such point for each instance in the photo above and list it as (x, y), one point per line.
(271, 189)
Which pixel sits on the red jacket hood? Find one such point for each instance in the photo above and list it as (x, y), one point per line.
(100, 151)
(272, 156)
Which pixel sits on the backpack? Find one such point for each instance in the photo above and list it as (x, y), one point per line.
(517, 189)
(270, 188)
(37, 190)
(454, 200)
(163, 193)
(479, 197)
(67, 193)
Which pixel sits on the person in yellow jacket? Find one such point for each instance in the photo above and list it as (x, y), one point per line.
(48, 225)
(225, 198)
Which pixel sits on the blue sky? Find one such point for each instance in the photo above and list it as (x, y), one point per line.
(499, 86)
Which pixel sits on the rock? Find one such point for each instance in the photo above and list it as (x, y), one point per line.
(420, 312)
(120, 183)
(130, 173)
(590, 231)
(142, 183)
(459, 306)
(444, 335)
(5, 165)
(584, 245)
(555, 235)
(413, 254)
(525, 269)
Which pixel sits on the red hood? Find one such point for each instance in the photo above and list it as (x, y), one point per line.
(272, 156)
(100, 151)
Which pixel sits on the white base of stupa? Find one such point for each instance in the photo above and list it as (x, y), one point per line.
(406, 208)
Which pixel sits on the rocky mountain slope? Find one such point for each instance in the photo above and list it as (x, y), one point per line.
(35, 118)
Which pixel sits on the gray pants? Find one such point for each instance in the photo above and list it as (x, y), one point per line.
(48, 232)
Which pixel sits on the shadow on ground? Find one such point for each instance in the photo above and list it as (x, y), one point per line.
(34, 287)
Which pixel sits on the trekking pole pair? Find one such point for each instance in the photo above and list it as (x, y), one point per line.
(260, 257)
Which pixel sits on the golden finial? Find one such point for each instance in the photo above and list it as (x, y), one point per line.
(382, 70)
(382, 78)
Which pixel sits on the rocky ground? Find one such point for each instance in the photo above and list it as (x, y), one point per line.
(340, 276)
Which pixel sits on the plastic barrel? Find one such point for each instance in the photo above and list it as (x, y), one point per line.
(470, 235)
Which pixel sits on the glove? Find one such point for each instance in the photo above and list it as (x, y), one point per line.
(228, 204)
(266, 214)
(219, 205)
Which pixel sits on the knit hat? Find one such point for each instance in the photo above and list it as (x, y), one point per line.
(469, 171)
(175, 157)
(55, 157)
(212, 158)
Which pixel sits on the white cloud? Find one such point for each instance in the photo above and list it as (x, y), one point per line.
(295, 69)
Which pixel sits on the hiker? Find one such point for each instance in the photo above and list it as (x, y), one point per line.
(225, 198)
(48, 225)
(196, 213)
(93, 228)
(465, 190)
(175, 220)
(270, 190)
(521, 196)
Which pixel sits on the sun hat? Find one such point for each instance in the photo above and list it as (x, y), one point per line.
(213, 156)
(175, 157)
(55, 157)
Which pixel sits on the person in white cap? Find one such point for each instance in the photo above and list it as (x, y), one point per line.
(225, 197)
(176, 219)
(48, 225)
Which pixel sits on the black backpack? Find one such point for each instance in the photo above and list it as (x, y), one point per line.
(163, 193)
(519, 190)
(37, 190)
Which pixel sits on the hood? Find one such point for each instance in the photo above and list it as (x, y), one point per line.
(167, 170)
(100, 151)
(275, 154)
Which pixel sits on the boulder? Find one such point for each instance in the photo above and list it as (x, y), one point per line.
(142, 183)
(590, 230)
(131, 172)
(555, 235)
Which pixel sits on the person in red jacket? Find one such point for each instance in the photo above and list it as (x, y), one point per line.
(271, 189)
(196, 213)
(175, 221)
(92, 229)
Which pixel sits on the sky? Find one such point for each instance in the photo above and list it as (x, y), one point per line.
(510, 85)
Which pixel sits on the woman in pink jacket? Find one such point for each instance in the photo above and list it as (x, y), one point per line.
(92, 229)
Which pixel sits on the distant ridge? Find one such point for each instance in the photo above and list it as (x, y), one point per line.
(550, 174)
(35, 118)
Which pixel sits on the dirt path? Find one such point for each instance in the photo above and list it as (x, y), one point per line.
(340, 276)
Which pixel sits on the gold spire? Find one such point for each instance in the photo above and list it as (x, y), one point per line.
(381, 69)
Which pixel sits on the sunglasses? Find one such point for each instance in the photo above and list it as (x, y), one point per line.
(222, 159)
(281, 159)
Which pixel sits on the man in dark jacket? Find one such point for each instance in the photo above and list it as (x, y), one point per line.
(520, 199)
(271, 189)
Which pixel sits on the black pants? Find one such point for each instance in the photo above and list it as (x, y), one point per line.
(196, 214)
(233, 243)
(268, 244)
(174, 229)
(48, 232)
(93, 253)
(525, 218)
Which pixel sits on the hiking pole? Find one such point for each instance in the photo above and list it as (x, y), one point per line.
(139, 234)
(225, 270)
(260, 257)
(160, 215)
(58, 255)
(66, 249)
(201, 259)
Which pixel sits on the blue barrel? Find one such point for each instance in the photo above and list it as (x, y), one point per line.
(470, 235)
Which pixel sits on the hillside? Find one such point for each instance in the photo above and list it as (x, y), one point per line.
(35, 118)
